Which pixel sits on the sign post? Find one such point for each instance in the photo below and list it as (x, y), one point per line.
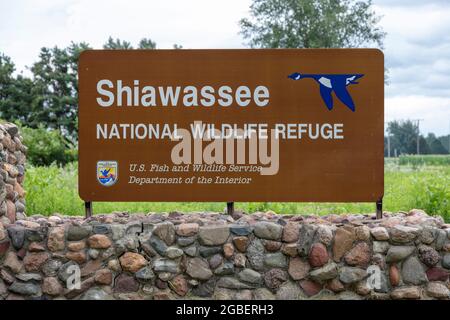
(284, 125)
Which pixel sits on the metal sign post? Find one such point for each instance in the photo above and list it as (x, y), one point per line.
(230, 208)
(88, 209)
(379, 205)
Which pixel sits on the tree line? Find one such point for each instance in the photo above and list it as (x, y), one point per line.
(403, 137)
(49, 97)
(47, 100)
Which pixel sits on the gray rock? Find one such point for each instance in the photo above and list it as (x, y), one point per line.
(438, 290)
(349, 295)
(144, 274)
(380, 246)
(240, 230)
(446, 261)
(165, 265)
(93, 253)
(384, 284)
(199, 269)
(159, 245)
(76, 233)
(268, 230)
(96, 294)
(255, 254)
(205, 289)
(25, 277)
(441, 237)
(324, 234)
(12, 129)
(108, 253)
(403, 234)
(37, 235)
(190, 251)
(21, 169)
(250, 276)
(213, 235)
(275, 260)
(209, 251)
(27, 289)
(64, 272)
(305, 239)
(3, 207)
(3, 290)
(290, 291)
(185, 241)
(17, 236)
(148, 227)
(120, 247)
(226, 268)
(173, 252)
(133, 228)
(215, 261)
(327, 272)
(427, 235)
(263, 294)
(51, 267)
(166, 232)
(20, 207)
(398, 253)
(350, 275)
(413, 272)
(127, 243)
(20, 215)
(101, 229)
(117, 231)
(224, 294)
(233, 283)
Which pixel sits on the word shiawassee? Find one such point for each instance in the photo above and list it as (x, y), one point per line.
(110, 93)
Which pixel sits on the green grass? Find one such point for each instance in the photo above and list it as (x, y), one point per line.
(53, 189)
(424, 160)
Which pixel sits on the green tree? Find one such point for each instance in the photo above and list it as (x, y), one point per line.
(7, 69)
(55, 90)
(16, 96)
(403, 135)
(147, 43)
(46, 146)
(435, 145)
(312, 24)
(445, 140)
(117, 44)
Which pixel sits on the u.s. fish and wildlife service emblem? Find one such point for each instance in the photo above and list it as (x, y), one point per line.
(107, 172)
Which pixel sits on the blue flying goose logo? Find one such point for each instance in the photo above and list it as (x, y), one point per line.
(329, 83)
(105, 172)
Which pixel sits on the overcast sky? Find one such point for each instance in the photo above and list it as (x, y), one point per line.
(417, 48)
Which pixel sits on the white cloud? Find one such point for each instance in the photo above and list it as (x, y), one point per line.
(435, 111)
(29, 25)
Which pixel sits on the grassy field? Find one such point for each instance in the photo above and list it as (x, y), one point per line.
(409, 183)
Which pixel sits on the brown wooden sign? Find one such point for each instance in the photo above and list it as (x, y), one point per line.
(231, 125)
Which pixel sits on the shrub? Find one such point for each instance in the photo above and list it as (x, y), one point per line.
(47, 146)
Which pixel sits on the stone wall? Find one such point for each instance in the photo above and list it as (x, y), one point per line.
(12, 169)
(215, 256)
